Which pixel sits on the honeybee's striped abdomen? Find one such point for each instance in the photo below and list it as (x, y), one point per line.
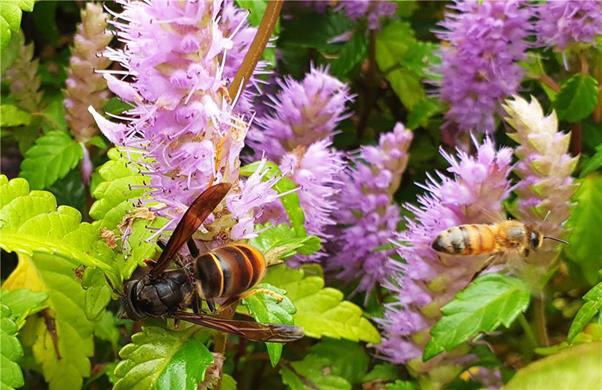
(228, 270)
(466, 240)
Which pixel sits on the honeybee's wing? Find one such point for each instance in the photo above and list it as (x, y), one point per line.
(198, 211)
(247, 329)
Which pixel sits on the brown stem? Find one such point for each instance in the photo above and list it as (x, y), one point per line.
(547, 80)
(576, 131)
(51, 327)
(371, 87)
(539, 319)
(264, 32)
(584, 64)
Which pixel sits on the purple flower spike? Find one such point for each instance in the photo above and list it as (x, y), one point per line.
(373, 11)
(296, 132)
(546, 185)
(423, 282)
(183, 122)
(562, 22)
(485, 41)
(316, 170)
(303, 112)
(367, 211)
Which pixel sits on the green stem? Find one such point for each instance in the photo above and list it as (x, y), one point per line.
(264, 32)
(528, 330)
(539, 318)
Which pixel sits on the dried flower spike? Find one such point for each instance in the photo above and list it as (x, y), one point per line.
(546, 186)
(24, 82)
(84, 86)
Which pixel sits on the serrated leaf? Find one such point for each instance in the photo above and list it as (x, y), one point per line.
(393, 43)
(574, 368)
(321, 311)
(312, 30)
(98, 293)
(10, 21)
(52, 156)
(382, 372)
(162, 359)
(11, 115)
(594, 163)
(70, 190)
(577, 98)
(105, 328)
(350, 54)
(281, 242)
(114, 193)
(488, 302)
(11, 51)
(423, 111)
(22, 303)
(290, 201)
(400, 385)
(592, 306)
(267, 310)
(11, 351)
(583, 248)
(310, 373)
(54, 275)
(32, 224)
(346, 359)
(227, 383)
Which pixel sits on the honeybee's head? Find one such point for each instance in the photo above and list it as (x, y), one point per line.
(535, 239)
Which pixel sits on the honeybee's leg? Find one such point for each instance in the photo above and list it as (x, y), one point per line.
(486, 264)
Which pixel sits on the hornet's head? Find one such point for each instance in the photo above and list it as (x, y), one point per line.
(128, 301)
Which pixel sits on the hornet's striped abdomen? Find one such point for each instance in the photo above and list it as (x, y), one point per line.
(228, 271)
(472, 240)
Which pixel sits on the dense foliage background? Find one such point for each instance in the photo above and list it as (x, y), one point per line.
(366, 129)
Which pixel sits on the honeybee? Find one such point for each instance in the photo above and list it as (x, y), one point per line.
(507, 237)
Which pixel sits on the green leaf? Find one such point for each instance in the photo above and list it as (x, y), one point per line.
(22, 303)
(574, 368)
(11, 51)
(51, 158)
(592, 306)
(161, 359)
(312, 373)
(227, 383)
(312, 30)
(382, 372)
(11, 351)
(321, 311)
(114, 193)
(98, 293)
(267, 310)
(423, 111)
(488, 302)
(394, 43)
(583, 248)
(594, 163)
(106, 328)
(256, 9)
(290, 201)
(10, 20)
(11, 115)
(400, 385)
(31, 224)
(281, 241)
(70, 190)
(577, 98)
(350, 54)
(346, 359)
(54, 275)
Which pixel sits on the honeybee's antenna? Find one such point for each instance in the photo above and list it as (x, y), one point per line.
(556, 239)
